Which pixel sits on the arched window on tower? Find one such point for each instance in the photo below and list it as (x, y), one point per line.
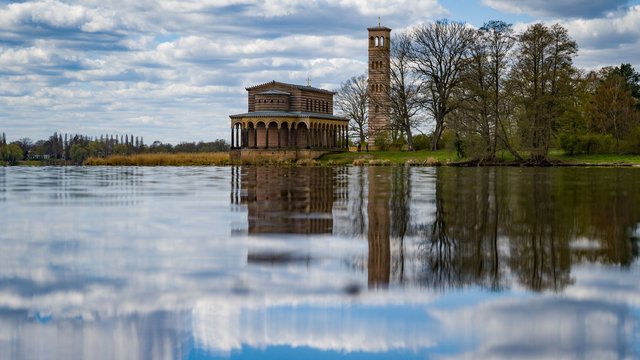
(377, 41)
(381, 40)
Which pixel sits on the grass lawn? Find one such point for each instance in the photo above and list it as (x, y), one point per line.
(423, 157)
(393, 157)
(599, 159)
(444, 157)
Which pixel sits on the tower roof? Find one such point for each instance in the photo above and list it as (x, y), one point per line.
(379, 28)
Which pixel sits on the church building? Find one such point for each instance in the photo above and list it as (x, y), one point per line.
(287, 121)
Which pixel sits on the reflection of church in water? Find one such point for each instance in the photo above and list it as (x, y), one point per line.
(316, 200)
(288, 200)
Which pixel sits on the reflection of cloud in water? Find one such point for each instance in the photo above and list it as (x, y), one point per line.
(545, 327)
(170, 274)
(594, 317)
(476, 325)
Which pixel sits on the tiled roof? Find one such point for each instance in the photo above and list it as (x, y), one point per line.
(301, 87)
(296, 114)
(379, 28)
(273, 92)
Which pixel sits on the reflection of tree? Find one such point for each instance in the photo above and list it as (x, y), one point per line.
(463, 245)
(359, 219)
(400, 211)
(533, 223)
(441, 251)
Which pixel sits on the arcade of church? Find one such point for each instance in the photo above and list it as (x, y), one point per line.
(278, 133)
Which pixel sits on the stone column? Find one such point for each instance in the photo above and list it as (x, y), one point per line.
(255, 137)
(266, 137)
(295, 136)
(346, 136)
(289, 132)
(279, 134)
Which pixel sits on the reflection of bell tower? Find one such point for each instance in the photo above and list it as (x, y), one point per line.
(379, 80)
(379, 262)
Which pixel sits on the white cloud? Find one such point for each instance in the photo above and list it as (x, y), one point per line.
(558, 8)
(57, 15)
(133, 55)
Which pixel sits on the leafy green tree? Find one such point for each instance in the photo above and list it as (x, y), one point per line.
(612, 108)
(11, 153)
(542, 78)
(632, 78)
(78, 154)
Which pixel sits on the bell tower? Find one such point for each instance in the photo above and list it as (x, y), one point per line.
(379, 81)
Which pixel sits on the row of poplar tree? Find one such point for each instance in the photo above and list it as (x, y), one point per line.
(491, 90)
(76, 148)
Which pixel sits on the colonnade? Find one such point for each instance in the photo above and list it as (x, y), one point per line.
(283, 135)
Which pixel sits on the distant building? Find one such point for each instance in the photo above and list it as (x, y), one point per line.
(379, 82)
(287, 121)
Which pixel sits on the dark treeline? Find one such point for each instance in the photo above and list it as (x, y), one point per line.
(76, 148)
(492, 90)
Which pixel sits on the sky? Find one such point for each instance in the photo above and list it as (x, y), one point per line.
(174, 70)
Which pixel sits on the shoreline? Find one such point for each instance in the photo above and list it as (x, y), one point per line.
(378, 158)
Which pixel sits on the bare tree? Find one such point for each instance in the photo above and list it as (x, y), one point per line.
(499, 40)
(439, 51)
(406, 89)
(484, 108)
(351, 102)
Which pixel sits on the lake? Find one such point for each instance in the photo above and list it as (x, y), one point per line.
(319, 262)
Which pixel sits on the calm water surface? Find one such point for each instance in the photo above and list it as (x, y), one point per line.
(207, 263)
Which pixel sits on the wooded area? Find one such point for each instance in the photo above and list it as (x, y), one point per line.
(489, 91)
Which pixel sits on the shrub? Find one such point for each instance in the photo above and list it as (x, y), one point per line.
(421, 142)
(632, 142)
(588, 144)
(447, 140)
(382, 142)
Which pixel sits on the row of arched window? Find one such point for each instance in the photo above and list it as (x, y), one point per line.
(377, 87)
(376, 64)
(377, 41)
(270, 101)
(317, 105)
